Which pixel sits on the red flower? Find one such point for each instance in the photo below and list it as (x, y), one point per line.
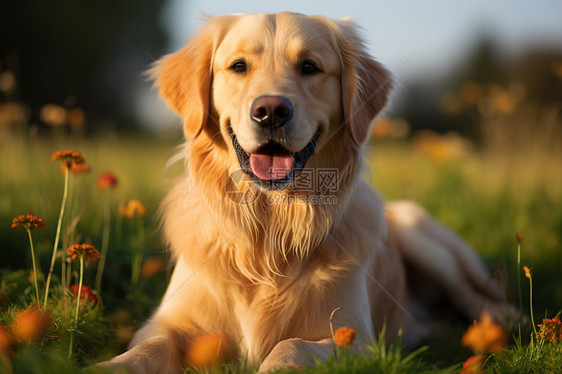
(86, 292)
(107, 180)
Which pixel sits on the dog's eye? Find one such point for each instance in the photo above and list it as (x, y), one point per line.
(239, 67)
(309, 68)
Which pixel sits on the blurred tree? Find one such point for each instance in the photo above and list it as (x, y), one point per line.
(85, 53)
(484, 73)
(540, 70)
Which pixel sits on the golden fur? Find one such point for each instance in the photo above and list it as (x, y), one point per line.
(267, 275)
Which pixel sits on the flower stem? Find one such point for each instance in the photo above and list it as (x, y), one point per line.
(104, 246)
(77, 305)
(34, 266)
(531, 304)
(57, 236)
(138, 252)
(519, 279)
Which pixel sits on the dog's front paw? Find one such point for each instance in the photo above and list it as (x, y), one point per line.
(296, 352)
(155, 355)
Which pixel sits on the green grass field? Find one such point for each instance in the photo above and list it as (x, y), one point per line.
(487, 195)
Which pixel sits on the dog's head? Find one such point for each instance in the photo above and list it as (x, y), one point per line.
(274, 91)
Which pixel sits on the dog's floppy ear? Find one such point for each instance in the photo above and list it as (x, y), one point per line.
(184, 80)
(366, 84)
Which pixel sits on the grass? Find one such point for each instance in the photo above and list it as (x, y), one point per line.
(486, 198)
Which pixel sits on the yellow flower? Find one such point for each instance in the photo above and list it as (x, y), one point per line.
(89, 251)
(344, 336)
(28, 222)
(206, 351)
(133, 208)
(527, 271)
(484, 336)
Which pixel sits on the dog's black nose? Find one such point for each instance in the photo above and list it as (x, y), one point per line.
(272, 111)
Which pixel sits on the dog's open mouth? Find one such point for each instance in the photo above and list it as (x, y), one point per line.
(273, 166)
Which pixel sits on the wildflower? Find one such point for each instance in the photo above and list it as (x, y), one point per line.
(106, 180)
(151, 266)
(527, 271)
(70, 160)
(85, 293)
(206, 351)
(550, 330)
(519, 238)
(485, 335)
(5, 341)
(30, 324)
(134, 208)
(344, 336)
(77, 168)
(89, 251)
(82, 251)
(473, 365)
(29, 222)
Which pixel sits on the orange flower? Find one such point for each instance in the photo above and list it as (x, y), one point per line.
(30, 324)
(473, 365)
(87, 250)
(5, 341)
(519, 238)
(71, 160)
(550, 330)
(152, 266)
(86, 292)
(28, 222)
(78, 168)
(133, 208)
(485, 335)
(107, 180)
(206, 351)
(527, 271)
(344, 336)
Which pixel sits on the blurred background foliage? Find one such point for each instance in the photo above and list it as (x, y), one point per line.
(87, 55)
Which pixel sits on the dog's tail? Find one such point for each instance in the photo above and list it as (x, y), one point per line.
(446, 260)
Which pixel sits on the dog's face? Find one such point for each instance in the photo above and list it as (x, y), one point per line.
(277, 87)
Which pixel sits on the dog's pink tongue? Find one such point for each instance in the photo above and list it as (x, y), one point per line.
(271, 166)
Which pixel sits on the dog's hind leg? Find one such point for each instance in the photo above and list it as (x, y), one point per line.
(443, 258)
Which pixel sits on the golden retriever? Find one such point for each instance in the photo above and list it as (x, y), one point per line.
(271, 226)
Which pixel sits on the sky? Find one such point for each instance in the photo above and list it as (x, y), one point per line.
(411, 38)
